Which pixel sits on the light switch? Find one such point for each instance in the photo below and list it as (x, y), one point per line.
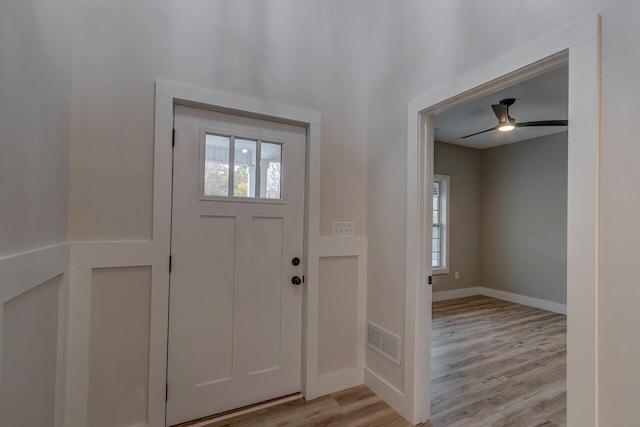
(343, 229)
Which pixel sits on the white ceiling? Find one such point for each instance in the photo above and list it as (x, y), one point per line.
(542, 98)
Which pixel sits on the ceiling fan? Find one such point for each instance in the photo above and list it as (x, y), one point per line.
(507, 123)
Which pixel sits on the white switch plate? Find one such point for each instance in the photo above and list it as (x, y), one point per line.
(457, 275)
(343, 229)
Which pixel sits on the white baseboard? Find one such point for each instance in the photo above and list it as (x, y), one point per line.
(506, 296)
(525, 300)
(456, 293)
(394, 397)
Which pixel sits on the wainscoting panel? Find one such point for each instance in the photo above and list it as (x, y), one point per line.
(33, 293)
(96, 298)
(337, 324)
(119, 346)
(30, 356)
(341, 314)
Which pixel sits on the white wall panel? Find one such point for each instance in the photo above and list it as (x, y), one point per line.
(30, 356)
(342, 300)
(337, 324)
(119, 346)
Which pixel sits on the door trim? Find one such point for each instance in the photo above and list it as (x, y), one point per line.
(579, 45)
(168, 94)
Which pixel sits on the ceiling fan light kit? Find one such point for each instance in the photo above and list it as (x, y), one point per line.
(507, 126)
(507, 123)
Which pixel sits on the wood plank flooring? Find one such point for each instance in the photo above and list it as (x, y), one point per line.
(494, 364)
(357, 407)
(497, 364)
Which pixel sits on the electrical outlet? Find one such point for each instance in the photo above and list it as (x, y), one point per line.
(343, 229)
(457, 275)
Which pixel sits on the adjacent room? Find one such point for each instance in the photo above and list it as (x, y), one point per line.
(499, 258)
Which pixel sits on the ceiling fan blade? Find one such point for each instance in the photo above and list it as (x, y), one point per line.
(478, 133)
(543, 123)
(500, 110)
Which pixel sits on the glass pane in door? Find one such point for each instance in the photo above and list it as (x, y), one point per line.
(216, 165)
(271, 170)
(244, 168)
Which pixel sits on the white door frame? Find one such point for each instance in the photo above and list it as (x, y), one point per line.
(579, 45)
(167, 95)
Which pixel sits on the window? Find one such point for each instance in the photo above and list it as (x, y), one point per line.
(231, 168)
(440, 232)
(270, 168)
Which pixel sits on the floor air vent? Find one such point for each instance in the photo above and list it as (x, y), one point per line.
(384, 342)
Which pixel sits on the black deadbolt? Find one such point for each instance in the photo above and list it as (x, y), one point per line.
(296, 280)
(295, 261)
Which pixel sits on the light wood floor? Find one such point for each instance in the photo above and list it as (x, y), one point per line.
(497, 364)
(494, 364)
(357, 407)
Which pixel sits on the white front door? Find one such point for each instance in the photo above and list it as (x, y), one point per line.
(237, 223)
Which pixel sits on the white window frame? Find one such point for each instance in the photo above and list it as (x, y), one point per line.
(257, 197)
(444, 200)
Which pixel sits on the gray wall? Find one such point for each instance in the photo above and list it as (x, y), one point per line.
(524, 218)
(463, 165)
(508, 217)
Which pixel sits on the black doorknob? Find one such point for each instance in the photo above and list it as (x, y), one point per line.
(296, 280)
(295, 261)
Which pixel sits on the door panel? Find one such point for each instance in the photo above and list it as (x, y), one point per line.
(214, 357)
(235, 318)
(263, 302)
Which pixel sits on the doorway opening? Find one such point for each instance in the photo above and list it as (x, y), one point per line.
(498, 339)
(577, 46)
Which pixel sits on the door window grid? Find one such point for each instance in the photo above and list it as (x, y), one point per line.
(250, 179)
